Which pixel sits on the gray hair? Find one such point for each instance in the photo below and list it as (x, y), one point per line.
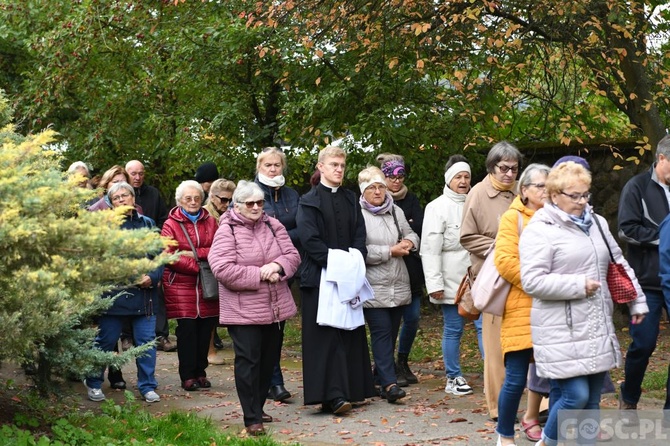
(526, 176)
(663, 147)
(118, 186)
(502, 151)
(78, 165)
(188, 184)
(246, 190)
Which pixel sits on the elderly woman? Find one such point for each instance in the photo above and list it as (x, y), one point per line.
(445, 262)
(184, 301)
(564, 262)
(389, 239)
(252, 257)
(515, 339)
(394, 170)
(131, 302)
(281, 202)
(483, 208)
(218, 200)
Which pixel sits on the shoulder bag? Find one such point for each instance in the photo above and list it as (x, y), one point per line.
(210, 286)
(619, 282)
(490, 289)
(463, 300)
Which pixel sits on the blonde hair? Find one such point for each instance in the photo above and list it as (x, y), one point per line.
(271, 151)
(331, 151)
(109, 175)
(221, 185)
(565, 175)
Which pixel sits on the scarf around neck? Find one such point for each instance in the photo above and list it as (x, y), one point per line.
(277, 181)
(192, 217)
(400, 195)
(385, 207)
(499, 185)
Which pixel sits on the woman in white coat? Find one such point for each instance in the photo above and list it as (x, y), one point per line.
(564, 262)
(445, 262)
(389, 238)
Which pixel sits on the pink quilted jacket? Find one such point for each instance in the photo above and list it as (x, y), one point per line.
(241, 246)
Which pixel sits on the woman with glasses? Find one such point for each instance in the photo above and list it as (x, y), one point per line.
(189, 224)
(484, 206)
(218, 200)
(515, 339)
(253, 258)
(564, 262)
(281, 202)
(389, 239)
(394, 170)
(131, 303)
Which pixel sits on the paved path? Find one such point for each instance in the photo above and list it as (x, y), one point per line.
(427, 416)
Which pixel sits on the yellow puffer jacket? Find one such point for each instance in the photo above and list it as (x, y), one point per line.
(515, 327)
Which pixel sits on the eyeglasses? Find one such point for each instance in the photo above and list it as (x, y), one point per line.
(250, 204)
(576, 198)
(504, 169)
(335, 166)
(376, 187)
(196, 199)
(538, 185)
(396, 178)
(120, 197)
(223, 200)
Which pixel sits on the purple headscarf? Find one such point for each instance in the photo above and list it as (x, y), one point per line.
(393, 168)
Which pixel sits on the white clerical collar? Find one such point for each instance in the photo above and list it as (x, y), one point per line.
(333, 189)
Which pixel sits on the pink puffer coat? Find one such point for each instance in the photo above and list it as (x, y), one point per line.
(240, 248)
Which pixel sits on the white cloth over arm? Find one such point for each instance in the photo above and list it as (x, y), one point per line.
(342, 290)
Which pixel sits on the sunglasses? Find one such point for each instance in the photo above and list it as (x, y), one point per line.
(223, 200)
(250, 204)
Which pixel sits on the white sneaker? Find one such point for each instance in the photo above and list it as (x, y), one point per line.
(94, 394)
(457, 386)
(151, 397)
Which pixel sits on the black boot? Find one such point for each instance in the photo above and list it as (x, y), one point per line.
(405, 370)
(401, 380)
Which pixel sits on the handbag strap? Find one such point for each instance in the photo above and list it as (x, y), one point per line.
(602, 233)
(397, 225)
(188, 237)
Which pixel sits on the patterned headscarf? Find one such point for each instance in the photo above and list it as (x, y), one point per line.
(393, 168)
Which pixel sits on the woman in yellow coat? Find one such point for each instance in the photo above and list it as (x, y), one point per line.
(515, 339)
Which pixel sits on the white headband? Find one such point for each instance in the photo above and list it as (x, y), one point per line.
(460, 166)
(376, 179)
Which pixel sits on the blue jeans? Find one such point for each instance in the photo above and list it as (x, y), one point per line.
(516, 372)
(452, 331)
(580, 392)
(644, 337)
(384, 324)
(144, 331)
(410, 324)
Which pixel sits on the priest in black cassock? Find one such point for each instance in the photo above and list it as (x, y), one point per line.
(336, 363)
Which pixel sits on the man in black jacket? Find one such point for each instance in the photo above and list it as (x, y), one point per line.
(644, 203)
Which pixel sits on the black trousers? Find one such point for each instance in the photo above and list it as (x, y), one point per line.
(257, 350)
(193, 337)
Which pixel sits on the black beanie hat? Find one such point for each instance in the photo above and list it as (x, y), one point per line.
(206, 173)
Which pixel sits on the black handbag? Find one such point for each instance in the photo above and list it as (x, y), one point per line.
(210, 286)
(412, 261)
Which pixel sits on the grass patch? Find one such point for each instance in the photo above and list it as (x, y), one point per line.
(121, 425)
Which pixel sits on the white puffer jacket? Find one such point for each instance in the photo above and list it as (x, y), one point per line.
(387, 275)
(444, 260)
(573, 335)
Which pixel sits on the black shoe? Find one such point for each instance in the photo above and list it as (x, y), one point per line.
(218, 343)
(393, 394)
(279, 393)
(404, 369)
(340, 405)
